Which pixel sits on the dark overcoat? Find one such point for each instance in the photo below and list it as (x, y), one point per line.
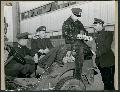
(104, 55)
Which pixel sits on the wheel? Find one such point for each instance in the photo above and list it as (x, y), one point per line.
(70, 83)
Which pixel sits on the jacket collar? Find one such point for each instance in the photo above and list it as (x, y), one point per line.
(102, 31)
(70, 19)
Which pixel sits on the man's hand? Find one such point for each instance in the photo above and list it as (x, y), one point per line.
(88, 38)
(41, 51)
(69, 53)
(46, 50)
(30, 36)
(36, 58)
(93, 52)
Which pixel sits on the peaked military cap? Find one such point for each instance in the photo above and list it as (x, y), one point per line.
(96, 20)
(41, 28)
(22, 35)
(76, 11)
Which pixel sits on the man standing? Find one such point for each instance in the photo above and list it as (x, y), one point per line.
(105, 58)
(71, 28)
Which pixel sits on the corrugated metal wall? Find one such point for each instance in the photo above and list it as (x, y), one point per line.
(54, 20)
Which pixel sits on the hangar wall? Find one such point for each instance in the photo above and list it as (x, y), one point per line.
(54, 20)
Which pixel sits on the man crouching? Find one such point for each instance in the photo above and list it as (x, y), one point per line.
(22, 64)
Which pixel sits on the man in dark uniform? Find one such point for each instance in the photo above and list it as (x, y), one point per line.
(105, 58)
(41, 45)
(39, 40)
(22, 64)
(73, 25)
(46, 53)
(71, 28)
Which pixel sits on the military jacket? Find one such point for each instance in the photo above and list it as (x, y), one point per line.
(14, 67)
(37, 44)
(104, 53)
(23, 50)
(103, 41)
(70, 29)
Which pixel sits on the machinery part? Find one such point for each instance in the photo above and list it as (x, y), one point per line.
(67, 71)
(70, 83)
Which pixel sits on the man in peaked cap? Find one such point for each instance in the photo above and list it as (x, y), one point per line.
(22, 64)
(72, 25)
(39, 40)
(22, 35)
(70, 29)
(42, 45)
(76, 11)
(96, 21)
(105, 58)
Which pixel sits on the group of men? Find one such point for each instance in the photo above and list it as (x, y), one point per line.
(105, 59)
(43, 54)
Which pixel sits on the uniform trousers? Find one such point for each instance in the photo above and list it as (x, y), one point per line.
(107, 77)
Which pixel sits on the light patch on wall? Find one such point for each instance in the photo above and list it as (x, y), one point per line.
(8, 16)
(29, 5)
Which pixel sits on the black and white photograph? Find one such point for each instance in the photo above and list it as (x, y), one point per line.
(59, 45)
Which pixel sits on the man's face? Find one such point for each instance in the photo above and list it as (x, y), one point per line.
(42, 34)
(23, 42)
(79, 14)
(82, 32)
(76, 17)
(37, 33)
(98, 27)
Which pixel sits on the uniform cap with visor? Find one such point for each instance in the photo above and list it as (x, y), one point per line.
(96, 21)
(76, 11)
(41, 28)
(22, 35)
